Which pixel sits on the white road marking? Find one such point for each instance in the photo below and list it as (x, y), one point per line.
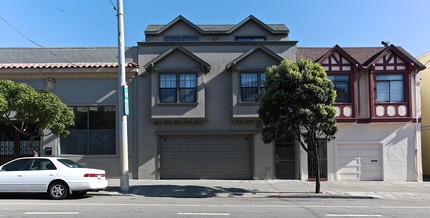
(205, 214)
(353, 215)
(51, 213)
(212, 205)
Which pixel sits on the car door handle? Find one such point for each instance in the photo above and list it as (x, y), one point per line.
(19, 175)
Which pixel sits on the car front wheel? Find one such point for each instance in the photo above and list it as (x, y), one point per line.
(58, 190)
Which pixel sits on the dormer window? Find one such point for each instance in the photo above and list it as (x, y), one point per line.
(250, 38)
(174, 86)
(251, 84)
(181, 38)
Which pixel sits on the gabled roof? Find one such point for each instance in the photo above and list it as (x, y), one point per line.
(252, 50)
(398, 51)
(158, 29)
(148, 67)
(254, 19)
(363, 55)
(217, 29)
(343, 53)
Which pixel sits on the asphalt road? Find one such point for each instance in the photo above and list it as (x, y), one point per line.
(138, 206)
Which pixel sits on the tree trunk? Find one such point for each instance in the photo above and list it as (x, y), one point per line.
(317, 179)
(317, 164)
(30, 145)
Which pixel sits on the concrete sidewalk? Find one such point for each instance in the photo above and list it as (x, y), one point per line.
(270, 188)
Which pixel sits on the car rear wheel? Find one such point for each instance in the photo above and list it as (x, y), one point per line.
(58, 190)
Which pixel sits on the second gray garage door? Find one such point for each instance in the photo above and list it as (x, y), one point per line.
(205, 157)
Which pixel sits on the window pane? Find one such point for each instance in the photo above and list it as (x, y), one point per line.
(168, 88)
(168, 80)
(18, 165)
(382, 92)
(81, 118)
(248, 80)
(249, 94)
(102, 142)
(389, 77)
(341, 85)
(168, 95)
(342, 91)
(189, 38)
(187, 87)
(251, 38)
(75, 143)
(262, 80)
(70, 163)
(187, 80)
(396, 91)
(172, 38)
(187, 95)
(102, 117)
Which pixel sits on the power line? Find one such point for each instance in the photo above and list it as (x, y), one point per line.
(114, 7)
(34, 42)
(22, 34)
(84, 19)
(70, 14)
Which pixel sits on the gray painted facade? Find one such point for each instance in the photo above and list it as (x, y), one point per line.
(207, 129)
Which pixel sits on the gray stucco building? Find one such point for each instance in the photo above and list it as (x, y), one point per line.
(193, 106)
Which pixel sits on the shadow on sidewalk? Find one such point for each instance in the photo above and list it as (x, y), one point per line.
(179, 191)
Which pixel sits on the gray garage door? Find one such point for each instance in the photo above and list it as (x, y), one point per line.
(205, 157)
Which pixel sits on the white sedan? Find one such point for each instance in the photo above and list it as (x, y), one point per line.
(56, 176)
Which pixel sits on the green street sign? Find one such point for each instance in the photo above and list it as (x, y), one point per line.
(126, 104)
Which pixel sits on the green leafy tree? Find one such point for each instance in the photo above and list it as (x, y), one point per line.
(298, 102)
(30, 111)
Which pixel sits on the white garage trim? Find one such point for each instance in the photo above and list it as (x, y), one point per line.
(361, 160)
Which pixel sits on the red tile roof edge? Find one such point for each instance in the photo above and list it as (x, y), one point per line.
(62, 65)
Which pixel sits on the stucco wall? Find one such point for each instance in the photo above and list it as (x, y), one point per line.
(425, 113)
(218, 102)
(398, 147)
(75, 92)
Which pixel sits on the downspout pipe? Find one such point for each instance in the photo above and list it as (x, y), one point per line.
(418, 159)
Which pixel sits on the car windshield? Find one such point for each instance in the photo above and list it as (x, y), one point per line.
(70, 163)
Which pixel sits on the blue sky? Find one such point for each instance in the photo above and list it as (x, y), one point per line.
(314, 23)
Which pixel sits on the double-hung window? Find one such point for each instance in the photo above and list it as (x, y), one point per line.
(341, 85)
(390, 88)
(178, 87)
(251, 84)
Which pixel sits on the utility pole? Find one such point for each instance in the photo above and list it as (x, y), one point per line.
(123, 109)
